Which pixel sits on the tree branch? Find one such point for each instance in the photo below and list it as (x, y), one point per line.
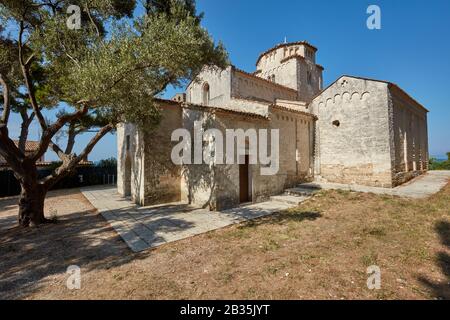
(29, 60)
(100, 134)
(26, 122)
(164, 85)
(59, 152)
(70, 138)
(67, 53)
(48, 134)
(9, 151)
(70, 164)
(92, 20)
(127, 73)
(6, 102)
(28, 83)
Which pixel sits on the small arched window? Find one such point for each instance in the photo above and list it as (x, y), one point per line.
(309, 77)
(205, 95)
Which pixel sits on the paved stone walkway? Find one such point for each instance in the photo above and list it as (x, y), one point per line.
(146, 227)
(420, 187)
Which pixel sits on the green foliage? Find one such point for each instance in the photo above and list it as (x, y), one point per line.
(169, 8)
(107, 70)
(54, 165)
(440, 165)
(107, 163)
(10, 68)
(116, 63)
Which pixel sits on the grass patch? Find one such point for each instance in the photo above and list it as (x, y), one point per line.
(270, 245)
(320, 250)
(378, 232)
(369, 259)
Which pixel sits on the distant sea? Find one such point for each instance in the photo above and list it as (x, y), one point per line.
(440, 158)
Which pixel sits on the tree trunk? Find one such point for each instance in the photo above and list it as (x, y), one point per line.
(31, 206)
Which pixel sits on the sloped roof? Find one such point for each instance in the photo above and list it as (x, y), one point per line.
(224, 110)
(211, 108)
(299, 57)
(30, 146)
(276, 106)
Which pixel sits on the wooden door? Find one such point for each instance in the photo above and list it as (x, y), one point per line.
(244, 190)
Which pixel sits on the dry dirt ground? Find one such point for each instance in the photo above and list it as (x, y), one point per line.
(319, 250)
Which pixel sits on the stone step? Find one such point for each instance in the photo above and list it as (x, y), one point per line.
(302, 191)
(311, 185)
(289, 199)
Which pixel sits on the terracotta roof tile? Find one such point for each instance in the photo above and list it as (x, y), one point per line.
(210, 108)
(275, 106)
(29, 145)
(224, 110)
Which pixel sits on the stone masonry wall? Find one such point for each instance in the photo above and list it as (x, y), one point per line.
(197, 180)
(308, 86)
(250, 87)
(162, 178)
(219, 82)
(353, 133)
(153, 179)
(295, 162)
(130, 162)
(145, 170)
(410, 137)
(285, 73)
(217, 185)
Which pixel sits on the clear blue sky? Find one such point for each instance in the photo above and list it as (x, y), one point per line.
(412, 49)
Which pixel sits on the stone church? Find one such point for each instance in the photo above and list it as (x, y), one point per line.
(355, 131)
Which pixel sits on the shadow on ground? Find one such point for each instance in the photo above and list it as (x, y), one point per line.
(439, 289)
(285, 216)
(30, 255)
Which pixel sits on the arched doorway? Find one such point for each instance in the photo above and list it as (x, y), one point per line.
(245, 188)
(205, 92)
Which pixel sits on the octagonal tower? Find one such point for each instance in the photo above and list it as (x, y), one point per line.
(292, 65)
